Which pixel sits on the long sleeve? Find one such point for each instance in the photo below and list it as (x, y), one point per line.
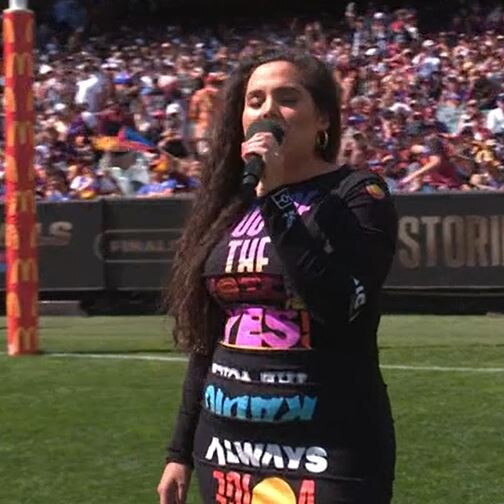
(342, 252)
(180, 447)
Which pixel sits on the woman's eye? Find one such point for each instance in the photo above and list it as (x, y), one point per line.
(289, 100)
(254, 103)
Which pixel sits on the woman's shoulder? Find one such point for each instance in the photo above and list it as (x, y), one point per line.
(346, 179)
(341, 180)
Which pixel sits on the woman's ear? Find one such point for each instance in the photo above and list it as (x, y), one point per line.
(323, 121)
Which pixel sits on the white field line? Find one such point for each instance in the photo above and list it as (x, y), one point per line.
(443, 368)
(120, 357)
(161, 358)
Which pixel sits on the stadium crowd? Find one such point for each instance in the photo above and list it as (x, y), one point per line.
(129, 112)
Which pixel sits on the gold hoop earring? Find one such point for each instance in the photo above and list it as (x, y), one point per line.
(322, 140)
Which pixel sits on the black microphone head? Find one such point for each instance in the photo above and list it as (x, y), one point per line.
(254, 165)
(266, 126)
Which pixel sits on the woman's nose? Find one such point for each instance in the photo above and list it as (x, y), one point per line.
(270, 109)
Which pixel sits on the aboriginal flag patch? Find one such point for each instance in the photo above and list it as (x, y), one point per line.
(375, 191)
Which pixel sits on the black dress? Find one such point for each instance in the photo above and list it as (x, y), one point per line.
(291, 406)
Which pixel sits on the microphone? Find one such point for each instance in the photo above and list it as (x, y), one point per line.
(254, 164)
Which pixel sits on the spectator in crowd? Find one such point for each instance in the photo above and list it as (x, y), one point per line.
(83, 181)
(495, 119)
(159, 185)
(204, 105)
(56, 189)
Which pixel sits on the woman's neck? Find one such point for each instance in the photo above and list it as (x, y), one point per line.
(299, 171)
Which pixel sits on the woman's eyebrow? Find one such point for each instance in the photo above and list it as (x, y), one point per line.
(280, 89)
(288, 89)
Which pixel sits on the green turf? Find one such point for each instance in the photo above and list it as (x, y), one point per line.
(93, 431)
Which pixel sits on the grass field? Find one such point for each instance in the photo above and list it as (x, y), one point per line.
(91, 427)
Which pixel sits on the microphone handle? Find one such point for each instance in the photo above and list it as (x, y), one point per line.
(253, 171)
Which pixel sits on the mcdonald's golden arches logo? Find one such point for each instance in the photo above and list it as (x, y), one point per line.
(29, 31)
(8, 30)
(12, 348)
(22, 130)
(33, 238)
(29, 101)
(19, 64)
(11, 168)
(11, 237)
(10, 100)
(13, 306)
(22, 201)
(26, 336)
(34, 306)
(31, 171)
(23, 269)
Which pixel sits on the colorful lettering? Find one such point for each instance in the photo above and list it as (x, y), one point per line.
(247, 287)
(280, 377)
(298, 410)
(249, 455)
(250, 253)
(251, 225)
(301, 208)
(236, 488)
(232, 488)
(262, 260)
(274, 456)
(283, 377)
(294, 456)
(233, 407)
(265, 409)
(230, 373)
(358, 300)
(260, 409)
(258, 327)
(233, 246)
(307, 492)
(247, 255)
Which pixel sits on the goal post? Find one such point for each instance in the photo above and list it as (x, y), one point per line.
(21, 280)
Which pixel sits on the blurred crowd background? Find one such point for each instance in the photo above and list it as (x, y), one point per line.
(125, 109)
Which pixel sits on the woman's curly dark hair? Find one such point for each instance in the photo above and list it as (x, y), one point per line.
(219, 201)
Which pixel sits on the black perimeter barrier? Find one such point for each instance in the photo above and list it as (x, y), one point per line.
(450, 246)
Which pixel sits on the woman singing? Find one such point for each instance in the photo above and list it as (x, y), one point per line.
(276, 297)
